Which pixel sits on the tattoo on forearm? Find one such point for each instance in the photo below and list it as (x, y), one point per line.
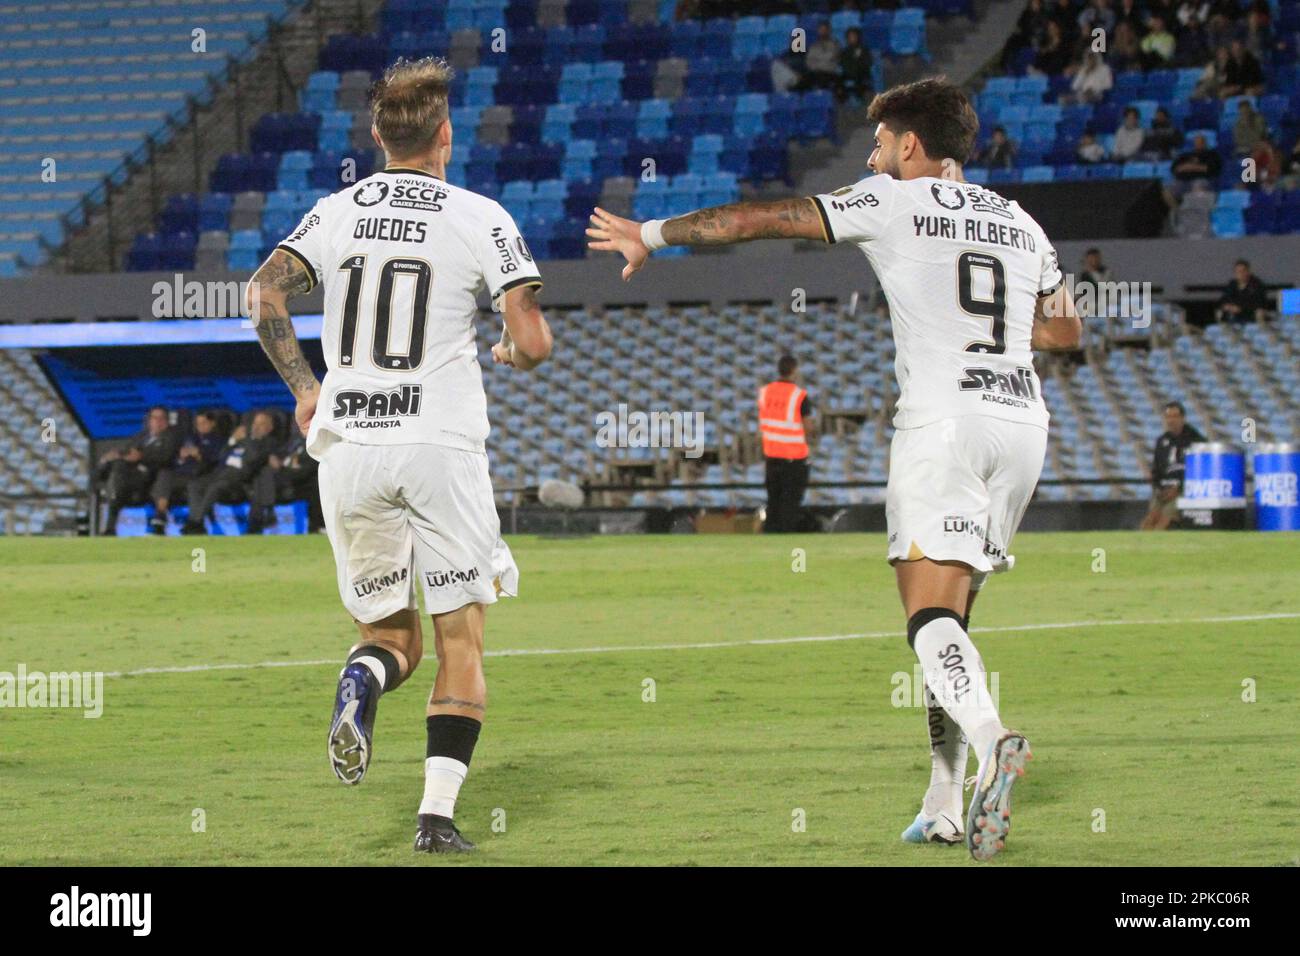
(455, 702)
(742, 221)
(280, 343)
(279, 279)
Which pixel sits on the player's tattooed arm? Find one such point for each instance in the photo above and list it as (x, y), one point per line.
(716, 226)
(278, 280)
(744, 221)
(280, 342)
(283, 273)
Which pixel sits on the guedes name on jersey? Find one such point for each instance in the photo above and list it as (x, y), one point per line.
(974, 230)
(393, 230)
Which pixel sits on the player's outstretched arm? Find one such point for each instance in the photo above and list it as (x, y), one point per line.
(526, 339)
(1056, 322)
(279, 279)
(796, 218)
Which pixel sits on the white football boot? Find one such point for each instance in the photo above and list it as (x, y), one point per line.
(941, 828)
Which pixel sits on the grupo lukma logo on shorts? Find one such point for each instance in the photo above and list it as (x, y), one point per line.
(443, 579)
(365, 587)
(960, 524)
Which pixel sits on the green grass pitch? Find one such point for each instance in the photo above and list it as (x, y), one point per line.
(1146, 752)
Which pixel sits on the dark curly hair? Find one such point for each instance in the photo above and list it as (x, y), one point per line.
(936, 110)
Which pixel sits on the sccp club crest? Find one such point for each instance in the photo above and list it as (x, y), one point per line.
(948, 196)
(370, 194)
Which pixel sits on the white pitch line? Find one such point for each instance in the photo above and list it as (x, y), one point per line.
(755, 642)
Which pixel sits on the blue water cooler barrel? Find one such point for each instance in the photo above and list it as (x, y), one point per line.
(1214, 487)
(1277, 487)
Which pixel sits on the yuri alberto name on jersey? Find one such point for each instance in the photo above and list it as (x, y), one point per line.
(974, 230)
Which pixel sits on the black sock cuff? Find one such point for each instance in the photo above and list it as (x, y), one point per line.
(392, 670)
(454, 736)
(923, 617)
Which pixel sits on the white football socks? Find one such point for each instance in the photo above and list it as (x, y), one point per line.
(442, 779)
(948, 751)
(954, 673)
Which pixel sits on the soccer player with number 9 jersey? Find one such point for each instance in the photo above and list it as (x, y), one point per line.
(973, 286)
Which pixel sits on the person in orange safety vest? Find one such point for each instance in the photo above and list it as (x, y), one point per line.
(783, 411)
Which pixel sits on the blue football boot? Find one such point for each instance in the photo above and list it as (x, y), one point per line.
(355, 704)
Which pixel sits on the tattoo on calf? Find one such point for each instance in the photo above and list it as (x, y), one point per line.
(455, 702)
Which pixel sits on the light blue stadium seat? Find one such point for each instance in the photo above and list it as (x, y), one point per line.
(1233, 199)
(1227, 222)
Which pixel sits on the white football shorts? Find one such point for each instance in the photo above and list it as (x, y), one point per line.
(408, 518)
(958, 488)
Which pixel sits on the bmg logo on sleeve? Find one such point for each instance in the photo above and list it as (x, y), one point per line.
(501, 240)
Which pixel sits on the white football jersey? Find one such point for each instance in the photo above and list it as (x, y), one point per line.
(403, 256)
(962, 269)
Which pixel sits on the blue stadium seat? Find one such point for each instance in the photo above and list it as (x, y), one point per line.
(1228, 222)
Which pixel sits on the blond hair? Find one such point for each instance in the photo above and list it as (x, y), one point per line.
(409, 103)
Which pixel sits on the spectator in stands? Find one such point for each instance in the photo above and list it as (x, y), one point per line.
(1163, 137)
(822, 63)
(198, 455)
(290, 475)
(1192, 14)
(1167, 467)
(1244, 299)
(1096, 15)
(1188, 25)
(855, 67)
(1200, 162)
(1130, 15)
(236, 478)
(128, 472)
(1214, 76)
(1268, 163)
(785, 71)
(1259, 38)
(1092, 80)
(1053, 54)
(1125, 52)
(1221, 25)
(784, 411)
(1129, 136)
(1243, 73)
(1000, 153)
(1094, 270)
(1090, 151)
(1158, 46)
(1249, 129)
(1066, 19)
(1030, 31)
